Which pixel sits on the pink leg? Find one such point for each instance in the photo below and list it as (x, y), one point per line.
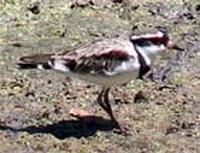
(103, 101)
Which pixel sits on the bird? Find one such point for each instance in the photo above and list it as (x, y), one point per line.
(107, 62)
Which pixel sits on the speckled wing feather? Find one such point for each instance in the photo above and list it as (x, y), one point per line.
(97, 63)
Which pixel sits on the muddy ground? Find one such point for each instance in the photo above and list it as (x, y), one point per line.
(34, 105)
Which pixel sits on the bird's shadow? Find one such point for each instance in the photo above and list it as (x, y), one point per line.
(69, 128)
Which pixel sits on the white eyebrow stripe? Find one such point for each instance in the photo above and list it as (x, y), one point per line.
(147, 36)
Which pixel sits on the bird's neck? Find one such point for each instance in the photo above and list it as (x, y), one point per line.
(144, 61)
(149, 52)
(151, 49)
(141, 52)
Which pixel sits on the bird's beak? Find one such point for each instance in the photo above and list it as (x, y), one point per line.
(172, 45)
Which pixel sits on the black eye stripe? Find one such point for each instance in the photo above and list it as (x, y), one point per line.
(150, 41)
(143, 43)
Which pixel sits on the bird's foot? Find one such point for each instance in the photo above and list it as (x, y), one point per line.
(122, 129)
(80, 114)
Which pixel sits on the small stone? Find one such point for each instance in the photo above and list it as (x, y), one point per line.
(80, 3)
(139, 97)
(78, 113)
(197, 8)
(34, 8)
(117, 1)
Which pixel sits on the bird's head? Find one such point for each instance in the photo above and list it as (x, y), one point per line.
(154, 43)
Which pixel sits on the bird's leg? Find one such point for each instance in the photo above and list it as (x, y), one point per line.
(108, 106)
(95, 103)
(100, 100)
(103, 101)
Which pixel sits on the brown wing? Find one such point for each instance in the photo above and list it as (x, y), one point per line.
(99, 63)
(98, 56)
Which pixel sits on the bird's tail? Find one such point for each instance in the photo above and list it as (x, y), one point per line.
(41, 61)
(46, 61)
